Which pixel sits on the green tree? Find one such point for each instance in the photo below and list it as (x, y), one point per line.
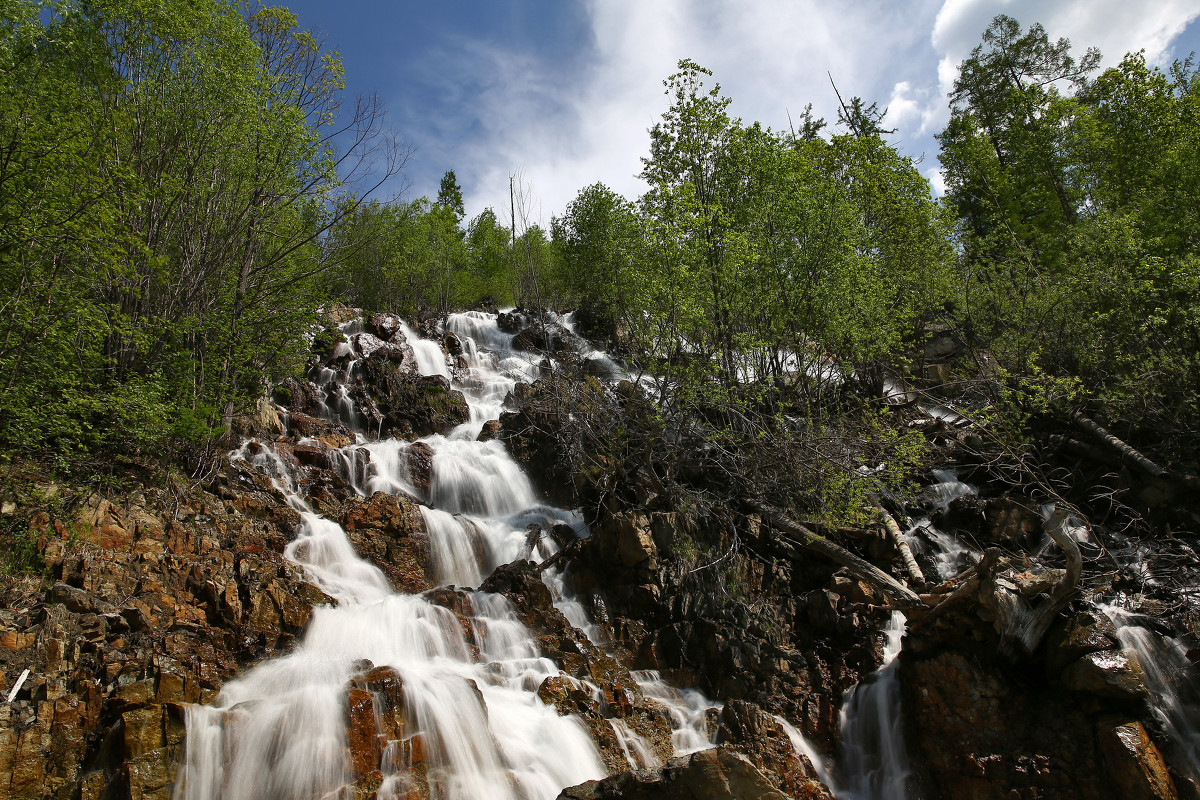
(450, 195)
(594, 241)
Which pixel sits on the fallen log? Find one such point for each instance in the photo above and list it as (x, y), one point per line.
(906, 553)
(1129, 454)
(855, 565)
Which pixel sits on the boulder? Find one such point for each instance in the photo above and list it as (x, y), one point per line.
(404, 405)
(389, 531)
(420, 467)
(1134, 762)
(384, 325)
(549, 337)
(1108, 673)
(716, 774)
(1072, 637)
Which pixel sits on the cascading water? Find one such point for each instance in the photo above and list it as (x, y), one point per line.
(1173, 683)
(279, 731)
(874, 761)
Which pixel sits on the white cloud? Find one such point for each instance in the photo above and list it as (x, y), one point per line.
(771, 56)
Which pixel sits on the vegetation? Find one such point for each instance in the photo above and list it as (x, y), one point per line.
(182, 191)
(1077, 268)
(168, 171)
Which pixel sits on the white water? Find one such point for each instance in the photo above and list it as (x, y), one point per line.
(1173, 684)
(874, 762)
(279, 731)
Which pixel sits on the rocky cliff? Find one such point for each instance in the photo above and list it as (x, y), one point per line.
(153, 596)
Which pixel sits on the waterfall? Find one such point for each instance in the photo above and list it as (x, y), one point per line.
(1173, 683)
(874, 759)
(474, 721)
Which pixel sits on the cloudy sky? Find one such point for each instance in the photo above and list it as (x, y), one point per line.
(564, 91)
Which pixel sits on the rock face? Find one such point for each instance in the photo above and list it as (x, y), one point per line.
(806, 642)
(717, 774)
(145, 612)
(1063, 725)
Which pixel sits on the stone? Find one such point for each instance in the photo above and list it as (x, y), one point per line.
(420, 466)
(635, 543)
(397, 403)
(716, 774)
(760, 738)
(362, 737)
(385, 325)
(1108, 673)
(1135, 763)
(1070, 638)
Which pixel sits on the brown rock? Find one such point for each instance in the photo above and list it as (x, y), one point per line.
(750, 731)
(1109, 673)
(1135, 764)
(361, 733)
(1076, 636)
(635, 543)
(716, 774)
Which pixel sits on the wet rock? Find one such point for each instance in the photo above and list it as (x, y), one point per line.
(1109, 673)
(397, 351)
(966, 514)
(389, 530)
(298, 397)
(1135, 764)
(716, 774)
(420, 467)
(510, 321)
(305, 425)
(179, 589)
(404, 405)
(489, 430)
(384, 325)
(1072, 637)
(549, 337)
(756, 735)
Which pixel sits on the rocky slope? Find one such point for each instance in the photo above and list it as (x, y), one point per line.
(155, 597)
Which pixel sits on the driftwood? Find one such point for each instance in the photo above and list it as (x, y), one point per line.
(965, 587)
(1130, 455)
(855, 565)
(1017, 622)
(906, 553)
(1126, 453)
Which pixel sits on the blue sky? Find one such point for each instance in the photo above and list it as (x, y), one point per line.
(562, 92)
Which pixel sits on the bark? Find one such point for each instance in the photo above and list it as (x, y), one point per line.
(906, 554)
(855, 565)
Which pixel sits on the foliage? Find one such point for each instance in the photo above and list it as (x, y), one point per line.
(788, 260)
(1078, 226)
(168, 171)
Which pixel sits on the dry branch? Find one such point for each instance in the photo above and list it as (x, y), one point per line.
(857, 566)
(906, 553)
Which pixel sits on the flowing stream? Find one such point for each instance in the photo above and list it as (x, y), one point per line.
(279, 730)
